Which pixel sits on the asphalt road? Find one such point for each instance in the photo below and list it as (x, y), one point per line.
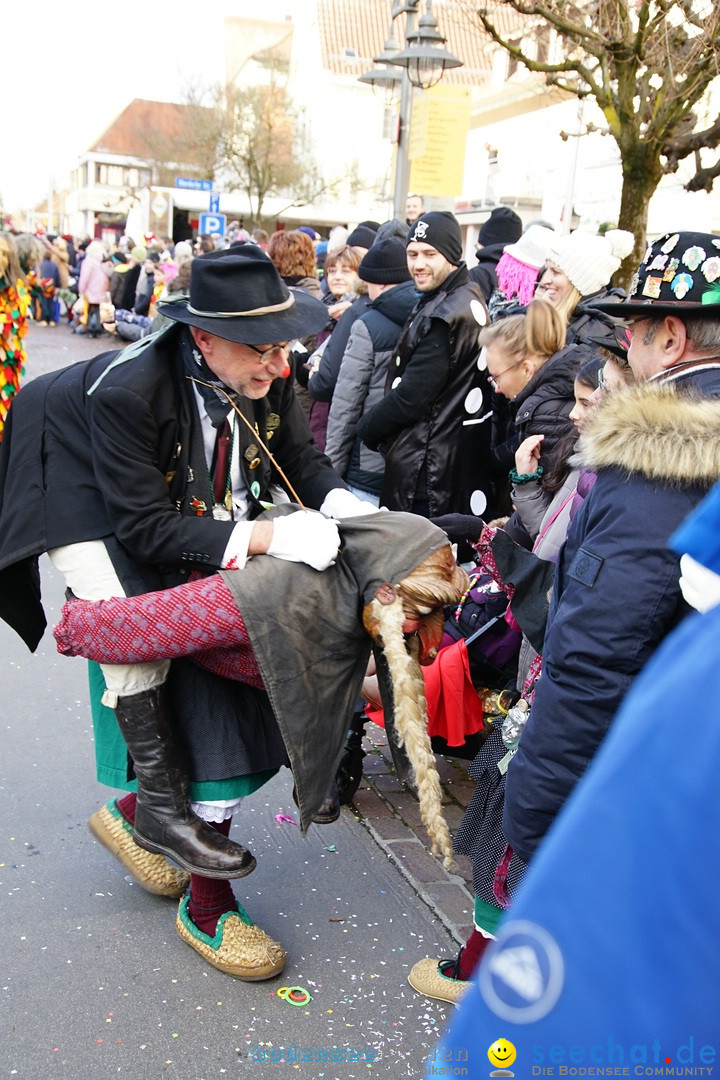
(95, 982)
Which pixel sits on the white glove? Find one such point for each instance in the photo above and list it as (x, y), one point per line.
(699, 586)
(341, 503)
(305, 537)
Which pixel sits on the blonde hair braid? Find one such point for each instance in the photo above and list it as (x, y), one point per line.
(411, 721)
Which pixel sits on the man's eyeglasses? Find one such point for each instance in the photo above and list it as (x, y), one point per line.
(624, 331)
(601, 380)
(267, 355)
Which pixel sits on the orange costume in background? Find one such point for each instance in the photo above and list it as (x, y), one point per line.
(14, 305)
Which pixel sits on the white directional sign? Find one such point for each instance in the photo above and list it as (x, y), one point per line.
(213, 224)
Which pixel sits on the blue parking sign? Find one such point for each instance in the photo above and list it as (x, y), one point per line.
(213, 224)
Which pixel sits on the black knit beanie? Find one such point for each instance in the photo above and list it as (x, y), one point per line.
(502, 227)
(361, 236)
(385, 263)
(439, 229)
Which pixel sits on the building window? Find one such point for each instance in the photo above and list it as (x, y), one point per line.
(513, 63)
(542, 43)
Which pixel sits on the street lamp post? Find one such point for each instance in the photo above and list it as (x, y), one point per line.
(422, 62)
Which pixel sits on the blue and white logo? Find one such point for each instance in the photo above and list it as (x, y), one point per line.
(523, 976)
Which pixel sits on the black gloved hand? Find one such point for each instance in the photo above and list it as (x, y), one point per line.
(460, 527)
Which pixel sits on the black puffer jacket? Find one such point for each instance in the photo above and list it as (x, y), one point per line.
(588, 324)
(543, 406)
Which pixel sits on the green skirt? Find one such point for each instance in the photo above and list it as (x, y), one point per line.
(111, 760)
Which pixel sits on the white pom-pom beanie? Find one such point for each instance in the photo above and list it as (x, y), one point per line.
(588, 260)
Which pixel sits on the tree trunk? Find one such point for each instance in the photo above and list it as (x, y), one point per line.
(642, 173)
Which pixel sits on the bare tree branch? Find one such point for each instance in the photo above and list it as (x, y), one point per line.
(646, 63)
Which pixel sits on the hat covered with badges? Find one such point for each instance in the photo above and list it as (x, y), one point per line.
(237, 294)
(680, 274)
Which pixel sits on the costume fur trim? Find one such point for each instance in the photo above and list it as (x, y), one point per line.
(669, 436)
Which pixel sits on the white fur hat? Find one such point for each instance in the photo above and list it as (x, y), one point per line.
(589, 260)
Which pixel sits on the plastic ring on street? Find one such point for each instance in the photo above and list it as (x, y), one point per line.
(294, 995)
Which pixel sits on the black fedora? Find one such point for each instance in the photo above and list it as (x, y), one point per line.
(680, 275)
(238, 295)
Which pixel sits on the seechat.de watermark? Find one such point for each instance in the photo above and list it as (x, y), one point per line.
(312, 1053)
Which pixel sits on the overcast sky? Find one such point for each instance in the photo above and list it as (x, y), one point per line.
(68, 70)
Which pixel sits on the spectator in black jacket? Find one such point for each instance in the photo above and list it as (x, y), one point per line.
(503, 227)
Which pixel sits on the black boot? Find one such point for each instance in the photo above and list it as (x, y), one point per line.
(164, 823)
(350, 769)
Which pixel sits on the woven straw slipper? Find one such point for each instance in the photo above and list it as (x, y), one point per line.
(239, 947)
(153, 872)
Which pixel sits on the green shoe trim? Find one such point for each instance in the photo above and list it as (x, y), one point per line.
(113, 811)
(216, 941)
(450, 978)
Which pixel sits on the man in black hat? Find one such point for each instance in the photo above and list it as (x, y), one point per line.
(673, 313)
(137, 469)
(617, 593)
(433, 423)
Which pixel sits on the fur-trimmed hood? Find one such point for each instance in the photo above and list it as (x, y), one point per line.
(652, 429)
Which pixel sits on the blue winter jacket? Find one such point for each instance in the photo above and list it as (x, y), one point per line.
(656, 451)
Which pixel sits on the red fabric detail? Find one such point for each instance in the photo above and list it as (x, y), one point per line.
(126, 806)
(500, 889)
(534, 673)
(223, 445)
(199, 618)
(454, 708)
(472, 953)
(210, 897)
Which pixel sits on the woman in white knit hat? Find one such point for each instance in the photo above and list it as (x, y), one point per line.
(577, 276)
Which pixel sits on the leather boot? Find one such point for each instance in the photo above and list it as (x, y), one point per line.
(350, 769)
(164, 822)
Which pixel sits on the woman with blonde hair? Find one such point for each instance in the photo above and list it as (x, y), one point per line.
(529, 363)
(577, 277)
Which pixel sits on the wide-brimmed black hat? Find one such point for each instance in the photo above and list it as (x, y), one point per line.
(680, 275)
(238, 295)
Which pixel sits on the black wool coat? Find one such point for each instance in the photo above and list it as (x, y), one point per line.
(112, 447)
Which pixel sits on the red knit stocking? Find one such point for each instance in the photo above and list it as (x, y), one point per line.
(126, 806)
(199, 618)
(472, 953)
(210, 897)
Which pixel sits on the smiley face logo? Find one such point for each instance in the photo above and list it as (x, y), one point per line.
(501, 1054)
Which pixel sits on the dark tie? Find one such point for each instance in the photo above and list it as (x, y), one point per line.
(223, 444)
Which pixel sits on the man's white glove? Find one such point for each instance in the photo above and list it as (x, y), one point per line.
(699, 586)
(341, 503)
(305, 537)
